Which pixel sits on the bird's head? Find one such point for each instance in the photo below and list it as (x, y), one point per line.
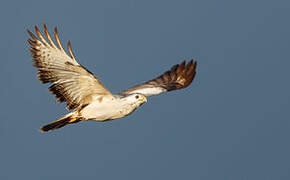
(137, 99)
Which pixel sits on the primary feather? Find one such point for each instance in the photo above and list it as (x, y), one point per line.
(178, 77)
(70, 81)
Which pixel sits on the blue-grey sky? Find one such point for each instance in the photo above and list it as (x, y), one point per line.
(231, 123)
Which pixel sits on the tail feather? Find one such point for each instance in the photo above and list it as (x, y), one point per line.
(68, 119)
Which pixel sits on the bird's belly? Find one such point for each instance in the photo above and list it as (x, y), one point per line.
(103, 112)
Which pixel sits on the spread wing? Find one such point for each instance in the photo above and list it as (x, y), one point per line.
(70, 81)
(178, 77)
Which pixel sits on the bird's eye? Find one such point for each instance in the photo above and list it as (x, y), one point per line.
(137, 96)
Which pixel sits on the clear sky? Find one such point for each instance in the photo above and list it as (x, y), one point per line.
(232, 123)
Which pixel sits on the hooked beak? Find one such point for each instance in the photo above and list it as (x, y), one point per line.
(144, 99)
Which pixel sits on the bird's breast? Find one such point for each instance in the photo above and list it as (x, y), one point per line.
(106, 110)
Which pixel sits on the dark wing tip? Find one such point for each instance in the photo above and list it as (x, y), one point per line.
(184, 74)
(189, 73)
(29, 32)
(32, 35)
(70, 50)
(55, 29)
(44, 27)
(179, 76)
(57, 39)
(36, 28)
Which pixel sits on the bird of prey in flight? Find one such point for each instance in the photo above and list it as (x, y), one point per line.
(86, 96)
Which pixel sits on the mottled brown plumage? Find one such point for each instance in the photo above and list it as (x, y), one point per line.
(178, 77)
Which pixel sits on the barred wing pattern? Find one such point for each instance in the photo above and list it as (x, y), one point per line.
(178, 77)
(70, 81)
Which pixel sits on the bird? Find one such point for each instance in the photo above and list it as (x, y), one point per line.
(85, 96)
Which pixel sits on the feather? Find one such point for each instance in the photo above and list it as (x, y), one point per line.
(178, 77)
(70, 81)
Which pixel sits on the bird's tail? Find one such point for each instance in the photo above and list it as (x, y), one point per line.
(68, 119)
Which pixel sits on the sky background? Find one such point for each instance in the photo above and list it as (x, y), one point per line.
(232, 123)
